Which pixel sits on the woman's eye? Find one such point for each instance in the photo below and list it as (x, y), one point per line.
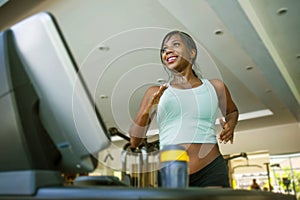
(176, 44)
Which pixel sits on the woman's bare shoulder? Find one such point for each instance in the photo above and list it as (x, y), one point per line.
(217, 83)
(154, 87)
(151, 90)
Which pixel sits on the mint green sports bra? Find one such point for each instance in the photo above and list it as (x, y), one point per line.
(188, 115)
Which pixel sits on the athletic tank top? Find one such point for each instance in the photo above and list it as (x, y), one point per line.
(188, 115)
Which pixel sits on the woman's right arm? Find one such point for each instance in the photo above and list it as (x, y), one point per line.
(145, 114)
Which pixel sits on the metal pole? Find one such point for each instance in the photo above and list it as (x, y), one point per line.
(293, 177)
(124, 163)
(145, 166)
(268, 173)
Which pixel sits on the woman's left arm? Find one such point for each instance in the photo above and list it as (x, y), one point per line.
(228, 109)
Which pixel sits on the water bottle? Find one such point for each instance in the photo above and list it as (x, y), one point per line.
(174, 167)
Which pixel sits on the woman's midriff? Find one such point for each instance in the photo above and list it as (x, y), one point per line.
(201, 155)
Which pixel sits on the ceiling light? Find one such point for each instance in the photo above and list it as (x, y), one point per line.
(103, 96)
(281, 11)
(268, 91)
(116, 138)
(249, 68)
(103, 48)
(253, 115)
(161, 80)
(150, 132)
(218, 32)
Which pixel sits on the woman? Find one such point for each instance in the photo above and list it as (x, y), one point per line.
(186, 111)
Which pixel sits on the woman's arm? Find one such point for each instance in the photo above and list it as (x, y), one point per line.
(228, 109)
(145, 114)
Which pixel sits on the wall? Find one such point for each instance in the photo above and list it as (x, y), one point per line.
(280, 139)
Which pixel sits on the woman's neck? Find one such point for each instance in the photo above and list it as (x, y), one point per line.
(185, 81)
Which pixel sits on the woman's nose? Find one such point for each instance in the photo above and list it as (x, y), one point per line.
(168, 50)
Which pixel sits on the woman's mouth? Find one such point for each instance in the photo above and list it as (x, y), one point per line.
(171, 59)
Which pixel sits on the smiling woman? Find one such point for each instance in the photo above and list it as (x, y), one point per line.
(186, 111)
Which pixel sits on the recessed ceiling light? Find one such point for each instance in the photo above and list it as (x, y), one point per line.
(268, 91)
(249, 68)
(282, 11)
(103, 96)
(218, 32)
(103, 48)
(161, 80)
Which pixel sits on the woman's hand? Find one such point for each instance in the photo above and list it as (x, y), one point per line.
(156, 96)
(226, 133)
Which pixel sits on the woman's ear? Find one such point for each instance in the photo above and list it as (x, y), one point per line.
(193, 54)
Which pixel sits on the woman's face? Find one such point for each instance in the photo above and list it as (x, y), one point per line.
(175, 54)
